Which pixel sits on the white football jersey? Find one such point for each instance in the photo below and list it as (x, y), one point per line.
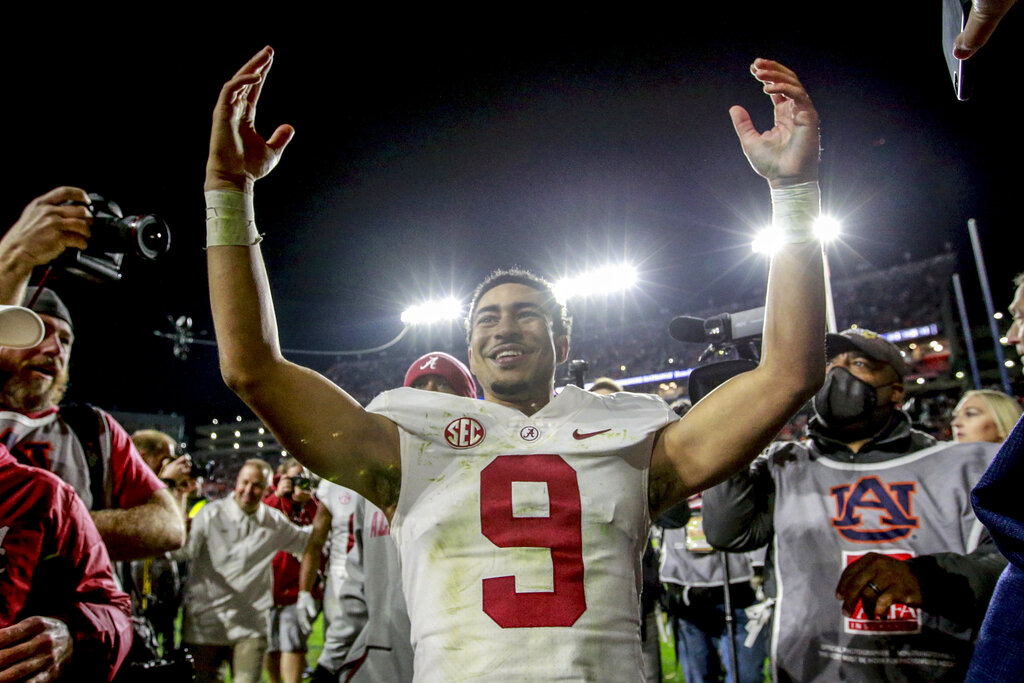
(520, 536)
(341, 503)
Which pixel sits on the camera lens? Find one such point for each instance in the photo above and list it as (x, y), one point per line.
(152, 236)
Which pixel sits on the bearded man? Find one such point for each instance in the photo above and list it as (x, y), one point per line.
(84, 446)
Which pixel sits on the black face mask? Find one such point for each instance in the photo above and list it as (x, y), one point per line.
(845, 400)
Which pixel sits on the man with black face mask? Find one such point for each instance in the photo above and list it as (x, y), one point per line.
(877, 506)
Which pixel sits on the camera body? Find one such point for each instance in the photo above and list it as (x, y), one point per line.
(734, 346)
(113, 235)
(205, 470)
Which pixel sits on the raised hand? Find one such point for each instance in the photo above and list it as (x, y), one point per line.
(238, 155)
(787, 153)
(179, 469)
(47, 226)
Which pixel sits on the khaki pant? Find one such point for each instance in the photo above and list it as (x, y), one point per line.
(245, 656)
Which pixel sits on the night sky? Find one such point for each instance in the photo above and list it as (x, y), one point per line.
(432, 149)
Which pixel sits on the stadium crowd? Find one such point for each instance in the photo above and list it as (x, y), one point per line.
(802, 502)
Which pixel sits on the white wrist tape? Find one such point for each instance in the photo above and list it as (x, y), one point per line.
(230, 219)
(794, 210)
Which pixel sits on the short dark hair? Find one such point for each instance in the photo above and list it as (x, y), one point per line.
(558, 314)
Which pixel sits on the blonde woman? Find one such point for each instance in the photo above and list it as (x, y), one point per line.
(984, 415)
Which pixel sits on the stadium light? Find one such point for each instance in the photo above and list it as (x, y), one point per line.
(769, 239)
(826, 228)
(604, 280)
(432, 311)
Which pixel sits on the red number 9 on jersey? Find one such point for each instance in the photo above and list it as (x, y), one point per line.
(561, 531)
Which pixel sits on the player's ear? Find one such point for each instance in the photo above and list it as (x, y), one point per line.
(561, 349)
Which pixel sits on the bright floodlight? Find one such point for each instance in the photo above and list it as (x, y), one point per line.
(767, 241)
(599, 281)
(826, 228)
(770, 239)
(432, 311)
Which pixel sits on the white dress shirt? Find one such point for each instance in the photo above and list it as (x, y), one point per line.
(227, 596)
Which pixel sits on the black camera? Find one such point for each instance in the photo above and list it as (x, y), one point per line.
(304, 483)
(113, 235)
(734, 346)
(204, 469)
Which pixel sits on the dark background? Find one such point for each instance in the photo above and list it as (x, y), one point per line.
(434, 147)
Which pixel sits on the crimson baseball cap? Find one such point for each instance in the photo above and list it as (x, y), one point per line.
(443, 365)
(20, 328)
(871, 344)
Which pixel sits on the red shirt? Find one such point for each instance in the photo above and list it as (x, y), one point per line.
(285, 565)
(44, 440)
(54, 564)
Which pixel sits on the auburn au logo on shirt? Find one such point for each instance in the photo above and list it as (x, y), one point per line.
(872, 511)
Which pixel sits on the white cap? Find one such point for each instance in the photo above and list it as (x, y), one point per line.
(20, 327)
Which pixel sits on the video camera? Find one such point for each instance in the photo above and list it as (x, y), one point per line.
(734, 346)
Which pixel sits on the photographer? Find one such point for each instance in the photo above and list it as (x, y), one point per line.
(155, 582)
(286, 639)
(61, 615)
(160, 453)
(84, 446)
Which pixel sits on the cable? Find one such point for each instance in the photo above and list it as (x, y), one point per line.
(177, 338)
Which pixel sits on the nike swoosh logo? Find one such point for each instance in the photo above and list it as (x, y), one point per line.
(578, 436)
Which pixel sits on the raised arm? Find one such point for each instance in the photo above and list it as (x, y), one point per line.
(727, 429)
(317, 422)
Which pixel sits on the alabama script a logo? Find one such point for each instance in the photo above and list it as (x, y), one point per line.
(871, 511)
